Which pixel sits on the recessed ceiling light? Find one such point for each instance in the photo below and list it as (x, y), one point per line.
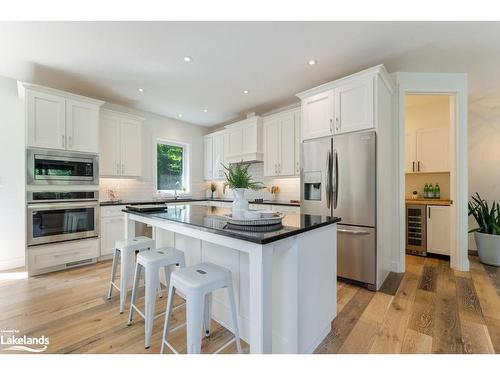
(205, 110)
(140, 90)
(245, 91)
(312, 62)
(188, 58)
(179, 115)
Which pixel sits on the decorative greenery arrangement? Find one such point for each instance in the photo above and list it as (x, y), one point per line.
(237, 177)
(488, 218)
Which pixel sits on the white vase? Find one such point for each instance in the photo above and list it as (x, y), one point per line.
(488, 248)
(240, 204)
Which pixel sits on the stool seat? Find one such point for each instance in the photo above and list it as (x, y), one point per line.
(203, 277)
(129, 244)
(161, 257)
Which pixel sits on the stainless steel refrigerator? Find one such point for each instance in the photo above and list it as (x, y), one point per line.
(338, 178)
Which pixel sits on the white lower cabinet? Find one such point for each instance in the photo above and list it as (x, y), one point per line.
(438, 230)
(61, 255)
(112, 228)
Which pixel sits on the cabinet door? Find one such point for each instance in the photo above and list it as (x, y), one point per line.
(433, 152)
(109, 149)
(317, 115)
(112, 229)
(297, 142)
(354, 106)
(235, 141)
(218, 155)
(286, 165)
(130, 148)
(82, 126)
(46, 120)
(208, 159)
(271, 147)
(249, 138)
(438, 229)
(410, 152)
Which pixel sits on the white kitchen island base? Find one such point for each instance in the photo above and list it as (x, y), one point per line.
(287, 287)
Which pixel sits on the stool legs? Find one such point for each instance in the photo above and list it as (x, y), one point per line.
(124, 279)
(168, 314)
(113, 272)
(133, 300)
(152, 278)
(207, 313)
(236, 332)
(194, 306)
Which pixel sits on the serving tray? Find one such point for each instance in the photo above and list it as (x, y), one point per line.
(273, 220)
(148, 208)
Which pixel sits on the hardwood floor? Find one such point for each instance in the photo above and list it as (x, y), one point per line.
(431, 309)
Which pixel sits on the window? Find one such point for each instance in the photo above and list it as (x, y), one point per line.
(171, 166)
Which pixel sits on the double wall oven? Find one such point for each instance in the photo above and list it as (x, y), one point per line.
(62, 196)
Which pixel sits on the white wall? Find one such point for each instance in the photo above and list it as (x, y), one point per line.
(484, 151)
(159, 127)
(12, 176)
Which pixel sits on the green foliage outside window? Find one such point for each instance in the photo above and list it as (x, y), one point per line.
(170, 165)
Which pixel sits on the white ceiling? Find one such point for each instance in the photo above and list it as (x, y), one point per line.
(110, 60)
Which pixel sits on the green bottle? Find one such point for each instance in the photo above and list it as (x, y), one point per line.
(426, 191)
(437, 191)
(431, 191)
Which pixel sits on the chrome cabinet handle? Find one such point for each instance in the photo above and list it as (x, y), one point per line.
(298, 168)
(337, 125)
(331, 125)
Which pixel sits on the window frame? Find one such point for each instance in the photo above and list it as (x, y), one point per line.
(185, 165)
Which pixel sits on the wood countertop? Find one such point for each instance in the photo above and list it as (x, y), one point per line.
(429, 201)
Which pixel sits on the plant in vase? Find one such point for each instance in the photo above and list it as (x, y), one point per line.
(238, 179)
(213, 188)
(487, 236)
(274, 190)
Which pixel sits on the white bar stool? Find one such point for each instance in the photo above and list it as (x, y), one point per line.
(197, 283)
(152, 262)
(125, 250)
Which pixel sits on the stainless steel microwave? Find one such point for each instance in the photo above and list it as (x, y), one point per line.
(52, 167)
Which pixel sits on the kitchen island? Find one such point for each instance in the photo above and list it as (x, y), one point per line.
(284, 280)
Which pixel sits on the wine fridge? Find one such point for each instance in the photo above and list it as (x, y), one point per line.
(416, 229)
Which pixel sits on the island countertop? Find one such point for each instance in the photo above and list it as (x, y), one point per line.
(211, 219)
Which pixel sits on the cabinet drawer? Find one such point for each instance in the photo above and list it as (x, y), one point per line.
(58, 254)
(107, 211)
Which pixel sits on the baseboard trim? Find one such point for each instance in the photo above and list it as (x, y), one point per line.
(9, 264)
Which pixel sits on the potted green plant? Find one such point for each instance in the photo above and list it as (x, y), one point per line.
(487, 235)
(239, 180)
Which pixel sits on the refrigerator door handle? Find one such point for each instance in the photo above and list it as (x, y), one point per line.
(336, 186)
(349, 231)
(328, 179)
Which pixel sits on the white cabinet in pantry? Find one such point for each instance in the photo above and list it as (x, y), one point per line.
(427, 150)
(121, 144)
(60, 120)
(438, 230)
(281, 144)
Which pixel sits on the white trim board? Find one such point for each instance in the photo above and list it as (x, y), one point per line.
(10, 264)
(438, 83)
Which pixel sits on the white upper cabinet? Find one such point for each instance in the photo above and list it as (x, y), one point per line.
(82, 126)
(317, 115)
(46, 115)
(281, 144)
(60, 120)
(220, 147)
(121, 144)
(208, 142)
(427, 150)
(245, 140)
(341, 106)
(438, 230)
(354, 106)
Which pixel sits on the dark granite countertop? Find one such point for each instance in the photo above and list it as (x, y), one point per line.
(184, 200)
(211, 219)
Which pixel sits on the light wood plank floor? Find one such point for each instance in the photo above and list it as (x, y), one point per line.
(432, 310)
